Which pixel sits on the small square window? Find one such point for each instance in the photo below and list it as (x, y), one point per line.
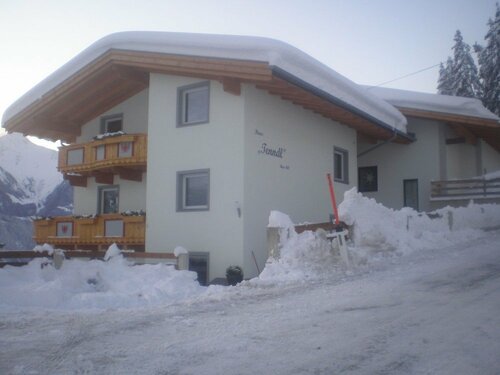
(341, 165)
(75, 156)
(193, 104)
(113, 228)
(193, 190)
(367, 179)
(64, 229)
(111, 124)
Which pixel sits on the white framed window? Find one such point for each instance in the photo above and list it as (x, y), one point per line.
(340, 165)
(75, 156)
(112, 123)
(193, 190)
(193, 104)
(64, 229)
(108, 199)
(113, 228)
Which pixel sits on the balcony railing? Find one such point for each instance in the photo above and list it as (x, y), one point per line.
(474, 188)
(124, 154)
(70, 232)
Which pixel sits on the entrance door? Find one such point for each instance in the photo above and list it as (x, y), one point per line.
(410, 191)
(198, 262)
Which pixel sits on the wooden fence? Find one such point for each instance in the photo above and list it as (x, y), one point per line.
(474, 188)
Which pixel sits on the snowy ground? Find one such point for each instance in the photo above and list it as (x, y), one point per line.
(421, 296)
(431, 312)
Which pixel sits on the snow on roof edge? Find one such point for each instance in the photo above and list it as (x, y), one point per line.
(272, 51)
(456, 105)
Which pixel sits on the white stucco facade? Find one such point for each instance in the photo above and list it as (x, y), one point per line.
(217, 146)
(396, 163)
(296, 182)
(132, 193)
(245, 184)
(429, 158)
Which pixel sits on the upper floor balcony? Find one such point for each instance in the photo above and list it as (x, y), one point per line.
(116, 154)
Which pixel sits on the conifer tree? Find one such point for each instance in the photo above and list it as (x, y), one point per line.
(444, 81)
(464, 75)
(489, 64)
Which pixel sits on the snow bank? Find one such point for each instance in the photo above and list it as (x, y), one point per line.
(376, 233)
(378, 229)
(94, 284)
(303, 257)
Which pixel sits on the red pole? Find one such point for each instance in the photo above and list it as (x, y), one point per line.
(332, 197)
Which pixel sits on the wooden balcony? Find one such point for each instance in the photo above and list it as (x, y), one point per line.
(474, 188)
(124, 155)
(94, 233)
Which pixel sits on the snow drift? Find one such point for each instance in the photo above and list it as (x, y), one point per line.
(378, 234)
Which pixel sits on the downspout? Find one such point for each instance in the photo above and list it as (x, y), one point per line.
(374, 147)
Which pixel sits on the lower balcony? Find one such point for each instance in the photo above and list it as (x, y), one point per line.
(92, 233)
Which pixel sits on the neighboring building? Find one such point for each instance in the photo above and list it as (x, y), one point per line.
(456, 139)
(191, 140)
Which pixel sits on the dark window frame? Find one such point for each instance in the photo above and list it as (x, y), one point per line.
(100, 191)
(362, 172)
(109, 118)
(405, 198)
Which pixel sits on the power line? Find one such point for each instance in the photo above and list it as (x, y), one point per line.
(407, 75)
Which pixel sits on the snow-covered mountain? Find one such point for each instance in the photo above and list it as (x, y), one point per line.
(29, 185)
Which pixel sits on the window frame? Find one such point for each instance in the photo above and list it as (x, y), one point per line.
(344, 178)
(362, 171)
(182, 93)
(406, 197)
(100, 198)
(181, 190)
(109, 118)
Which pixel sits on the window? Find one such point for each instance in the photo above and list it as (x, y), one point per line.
(367, 179)
(75, 156)
(113, 228)
(64, 229)
(340, 165)
(108, 199)
(193, 190)
(111, 123)
(193, 104)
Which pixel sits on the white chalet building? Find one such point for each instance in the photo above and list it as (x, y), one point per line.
(191, 140)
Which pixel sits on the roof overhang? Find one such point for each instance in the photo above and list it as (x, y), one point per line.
(117, 75)
(469, 127)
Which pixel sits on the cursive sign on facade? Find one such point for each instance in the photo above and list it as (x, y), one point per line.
(276, 152)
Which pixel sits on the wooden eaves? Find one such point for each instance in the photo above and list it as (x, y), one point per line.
(119, 74)
(468, 127)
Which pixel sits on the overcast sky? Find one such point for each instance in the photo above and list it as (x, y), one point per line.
(368, 41)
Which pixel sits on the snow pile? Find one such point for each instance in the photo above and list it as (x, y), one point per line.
(378, 229)
(303, 257)
(80, 285)
(376, 233)
(45, 247)
(492, 175)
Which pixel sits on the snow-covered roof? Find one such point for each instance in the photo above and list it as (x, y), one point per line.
(277, 54)
(455, 105)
